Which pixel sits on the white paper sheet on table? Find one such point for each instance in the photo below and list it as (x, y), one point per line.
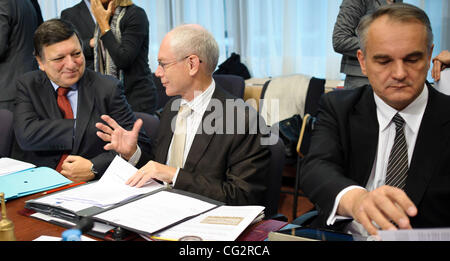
(434, 234)
(109, 190)
(225, 223)
(157, 211)
(8, 166)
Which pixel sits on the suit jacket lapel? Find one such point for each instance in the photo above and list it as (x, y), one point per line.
(364, 131)
(431, 140)
(49, 98)
(165, 130)
(86, 100)
(202, 139)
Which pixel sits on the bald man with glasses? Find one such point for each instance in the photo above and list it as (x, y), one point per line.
(194, 152)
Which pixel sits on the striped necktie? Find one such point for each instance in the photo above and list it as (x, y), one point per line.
(397, 169)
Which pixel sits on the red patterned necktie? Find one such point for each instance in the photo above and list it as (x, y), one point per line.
(66, 109)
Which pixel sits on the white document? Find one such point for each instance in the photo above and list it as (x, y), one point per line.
(435, 234)
(225, 223)
(109, 190)
(8, 166)
(155, 212)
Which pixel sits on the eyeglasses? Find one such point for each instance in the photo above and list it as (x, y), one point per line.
(165, 66)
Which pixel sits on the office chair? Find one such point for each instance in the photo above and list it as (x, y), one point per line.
(233, 84)
(151, 124)
(273, 184)
(6, 132)
(304, 141)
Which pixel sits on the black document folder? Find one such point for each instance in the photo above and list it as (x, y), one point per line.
(177, 213)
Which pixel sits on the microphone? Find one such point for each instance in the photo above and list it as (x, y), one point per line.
(85, 225)
(74, 234)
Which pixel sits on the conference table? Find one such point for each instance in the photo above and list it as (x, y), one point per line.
(28, 228)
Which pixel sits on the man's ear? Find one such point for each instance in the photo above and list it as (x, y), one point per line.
(362, 61)
(41, 65)
(194, 65)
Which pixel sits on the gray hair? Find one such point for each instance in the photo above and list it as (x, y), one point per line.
(400, 12)
(193, 39)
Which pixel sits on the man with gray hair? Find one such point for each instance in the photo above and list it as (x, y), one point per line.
(193, 152)
(379, 154)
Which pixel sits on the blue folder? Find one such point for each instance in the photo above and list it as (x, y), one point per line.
(31, 181)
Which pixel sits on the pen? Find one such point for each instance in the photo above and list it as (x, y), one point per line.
(63, 188)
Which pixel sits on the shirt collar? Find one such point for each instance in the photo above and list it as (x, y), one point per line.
(412, 114)
(201, 100)
(73, 87)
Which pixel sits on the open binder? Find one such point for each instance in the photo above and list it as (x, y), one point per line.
(159, 214)
(174, 215)
(154, 210)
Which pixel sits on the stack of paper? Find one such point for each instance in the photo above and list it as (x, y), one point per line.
(109, 190)
(8, 166)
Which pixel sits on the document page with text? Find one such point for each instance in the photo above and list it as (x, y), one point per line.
(154, 212)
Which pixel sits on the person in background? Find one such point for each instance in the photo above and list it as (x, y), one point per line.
(199, 147)
(81, 17)
(37, 7)
(440, 63)
(58, 106)
(18, 21)
(379, 154)
(345, 40)
(121, 42)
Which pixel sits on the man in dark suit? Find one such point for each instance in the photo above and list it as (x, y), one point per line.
(18, 21)
(80, 16)
(46, 135)
(350, 166)
(221, 157)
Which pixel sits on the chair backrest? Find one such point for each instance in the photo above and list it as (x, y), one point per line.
(276, 167)
(151, 124)
(6, 132)
(233, 84)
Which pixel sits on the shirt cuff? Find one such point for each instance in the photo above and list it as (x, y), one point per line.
(333, 217)
(136, 156)
(174, 179)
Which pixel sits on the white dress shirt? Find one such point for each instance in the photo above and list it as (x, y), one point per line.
(412, 115)
(198, 106)
(72, 96)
